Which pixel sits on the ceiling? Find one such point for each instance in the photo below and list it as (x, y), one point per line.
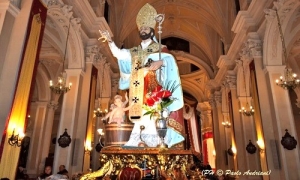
(204, 24)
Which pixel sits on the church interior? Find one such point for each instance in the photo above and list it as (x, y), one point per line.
(238, 62)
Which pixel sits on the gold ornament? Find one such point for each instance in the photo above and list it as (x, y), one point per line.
(146, 16)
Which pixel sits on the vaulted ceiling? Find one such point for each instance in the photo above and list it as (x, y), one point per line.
(204, 24)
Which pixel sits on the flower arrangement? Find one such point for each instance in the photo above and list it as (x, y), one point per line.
(159, 99)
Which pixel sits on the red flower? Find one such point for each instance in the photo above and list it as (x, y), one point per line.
(154, 96)
(164, 94)
(157, 89)
(150, 101)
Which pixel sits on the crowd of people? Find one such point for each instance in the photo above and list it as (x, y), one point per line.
(47, 174)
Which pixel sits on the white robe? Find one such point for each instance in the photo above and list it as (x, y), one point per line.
(169, 73)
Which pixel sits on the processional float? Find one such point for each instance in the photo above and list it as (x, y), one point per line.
(137, 163)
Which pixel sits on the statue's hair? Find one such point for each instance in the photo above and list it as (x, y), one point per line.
(118, 97)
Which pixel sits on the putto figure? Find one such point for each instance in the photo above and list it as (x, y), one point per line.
(118, 110)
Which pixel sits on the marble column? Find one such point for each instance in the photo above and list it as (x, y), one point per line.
(102, 100)
(254, 47)
(72, 155)
(245, 98)
(283, 119)
(215, 103)
(85, 136)
(41, 117)
(227, 128)
(221, 138)
(277, 114)
(215, 126)
(237, 140)
(207, 133)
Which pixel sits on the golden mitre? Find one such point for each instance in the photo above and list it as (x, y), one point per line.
(146, 16)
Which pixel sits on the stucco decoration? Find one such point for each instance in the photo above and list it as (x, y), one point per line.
(61, 16)
(272, 43)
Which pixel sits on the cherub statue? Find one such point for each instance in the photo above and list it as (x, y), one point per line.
(117, 113)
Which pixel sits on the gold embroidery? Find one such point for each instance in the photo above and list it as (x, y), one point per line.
(136, 91)
(146, 16)
(172, 123)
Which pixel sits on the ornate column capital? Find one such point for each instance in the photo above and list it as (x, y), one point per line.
(251, 48)
(205, 116)
(218, 98)
(255, 47)
(270, 14)
(212, 101)
(93, 55)
(231, 81)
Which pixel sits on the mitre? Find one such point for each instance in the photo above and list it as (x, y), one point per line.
(146, 16)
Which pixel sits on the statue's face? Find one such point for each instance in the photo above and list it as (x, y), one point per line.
(118, 102)
(145, 32)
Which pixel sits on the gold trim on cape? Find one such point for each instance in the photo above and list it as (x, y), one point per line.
(136, 92)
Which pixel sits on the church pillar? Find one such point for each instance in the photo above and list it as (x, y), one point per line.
(102, 100)
(246, 101)
(88, 102)
(47, 131)
(207, 134)
(42, 117)
(13, 21)
(219, 133)
(226, 121)
(277, 114)
(216, 132)
(237, 141)
(253, 49)
(283, 120)
(71, 155)
(90, 81)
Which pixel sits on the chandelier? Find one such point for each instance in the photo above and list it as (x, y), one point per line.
(226, 124)
(60, 87)
(248, 110)
(289, 79)
(100, 113)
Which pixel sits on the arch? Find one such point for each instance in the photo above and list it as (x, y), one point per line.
(272, 44)
(180, 55)
(193, 90)
(62, 18)
(42, 85)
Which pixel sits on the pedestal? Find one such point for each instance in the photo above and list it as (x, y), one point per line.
(144, 163)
